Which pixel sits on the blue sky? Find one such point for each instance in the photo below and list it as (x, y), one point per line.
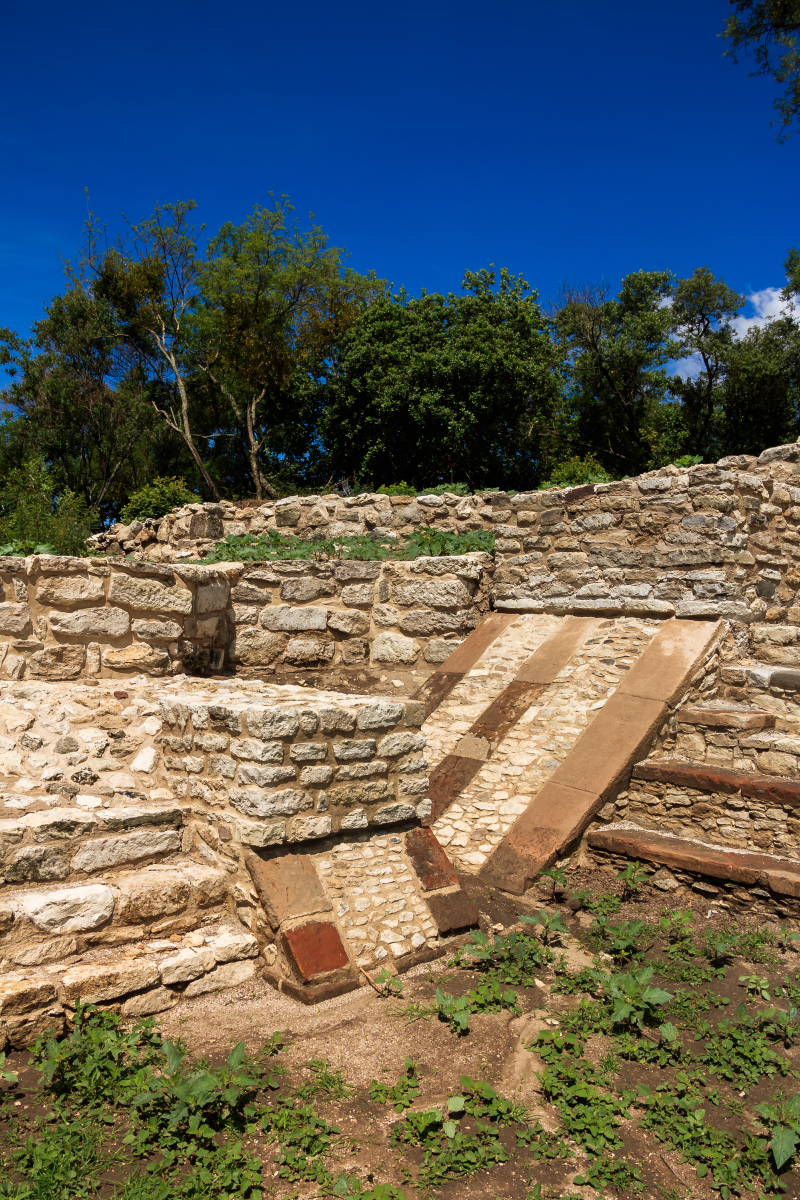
(567, 142)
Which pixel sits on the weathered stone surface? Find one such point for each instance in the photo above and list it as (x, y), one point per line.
(300, 591)
(395, 744)
(181, 967)
(229, 946)
(253, 750)
(351, 623)
(146, 760)
(358, 595)
(706, 777)
(17, 720)
(394, 648)
(306, 828)
(74, 589)
(102, 853)
(213, 595)
(353, 569)
(336, 720)
(20, 993)
(149, 595)
(438, 650)
(145, 895)
(43, 952)
(248, 593)
(379, 716)
(720, 718)
(60, 823)
(283, 619)
(69, 910)
(253, 802)
(256, 648)
(441, 593)
(392, 813)
(268, 723)
(155, 631)
(58, 662)
(351, 750)
(144, 1004)
(94, 982)
(15, 618)
(287, 885)
(360, 793)
(308, 651)
(226, 975)
(452, 911)
(315, 949)
(134, 816)
(309, 752)
(264, 777)
(92, 622)
(258, 833)
(22, 1031)
(422, 622)
(36, 864)
(315, 777)
(432, 866)
(136, 657)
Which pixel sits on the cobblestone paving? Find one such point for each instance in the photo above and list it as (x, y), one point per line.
(528, 755)
(375, 897)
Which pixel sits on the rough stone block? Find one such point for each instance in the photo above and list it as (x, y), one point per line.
(93, 983)
(256, 648)
(429, 860)
(379, 716)
(254, 750)
(135, 816)
(74, 589)
(360, 793)
(69, 910)
(144, 1004)
(36, 864)
(181, 967)
(15, 618)
(264, 777)
(424, 622)
(349, 622)
(257, 833)
(156, 631)
(305, 828)
(213, 595)
(230, 946)
(253, 802)
(393, 813)
(283, 619)
(351, 750)
(308, 651)
(136, 657)
(300, 591)
(20, 994)
(315, 948)
(56, 662)
(395, 744)
(60, 823)
(452, 911)
(224, 976)
(92, 622)
(102, 853)
(275, 722)
(22, 1031)
(149, 595)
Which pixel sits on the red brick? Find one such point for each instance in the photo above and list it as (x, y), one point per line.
(684, 855)
(452, 911)
(433, 867)
(315, 949)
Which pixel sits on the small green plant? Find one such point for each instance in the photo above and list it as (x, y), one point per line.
(738, 1049)
(636, 1003)
(490, 997)
(572, 472)
(511, 958)
(688, 460)
(551, 924)
(782, 1119)
(325, 1082)
(620, 941)
(442, 489)
(157, 498)
(633, 878)
(6, 1076)
(401, 1094)
(557, 877)
(387, 983)
(756, 986)
(397, 489)
(454, 1010)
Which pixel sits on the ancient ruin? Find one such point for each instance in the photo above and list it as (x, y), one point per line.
(180, 810)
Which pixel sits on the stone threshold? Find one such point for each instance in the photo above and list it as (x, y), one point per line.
(780, 875)
(705, 778)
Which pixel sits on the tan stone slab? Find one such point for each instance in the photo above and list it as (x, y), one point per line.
(721, 718)
(604, 754)
(556, 651)
(669, 662)
(472, 649)
(555, 817)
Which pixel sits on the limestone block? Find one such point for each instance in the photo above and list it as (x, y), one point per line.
(43, 952)
(181, 967)
(308, 752)
(149, 595)
(60, 823)
(305, 828)
(255, 648)
(385, 614)
(358, 595)
(16, 720)
(307, 651)
(315, 777)
(56, 662)
(15, 618)
(92, 622)
(255, 802)
(355, 651)
(249, 773)
(156, 631)
(254, 750)
(136, 657)
(135, 816)
(423, 622)
(287, 513)
(274, 722)
(102, 853)
(36, 864)
(211, 742)
(362, 770)
(247, 593)
(396, 744)
(146, 760)
(226, 975)
(392, 813)
(221, 764)
(148, 894)
(357, 819)
(20, 993)
(441, 593)
(438, 650)
(69, 910)
(353, 569)
(360, 793)
(352, 750)
(213, 595)
(255, 833)
(302, 590)
(336, 720)
(229, 946)
(284, 619)
(144, 1004)
(244, 614)
(393, 648)
(380, 715)
(348, 622)
(74, 589)
(93, 983)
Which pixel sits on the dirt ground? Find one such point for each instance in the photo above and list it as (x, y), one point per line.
(369, 1037)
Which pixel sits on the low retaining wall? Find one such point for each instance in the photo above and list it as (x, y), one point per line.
(69, 618)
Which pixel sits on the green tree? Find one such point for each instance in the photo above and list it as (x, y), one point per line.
(442, 388)
(617, 350)
(770, 28)
(272, 299)
(703, 308)
(33, 514)
(761, 397)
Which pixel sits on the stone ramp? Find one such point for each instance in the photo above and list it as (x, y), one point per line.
(602, 757)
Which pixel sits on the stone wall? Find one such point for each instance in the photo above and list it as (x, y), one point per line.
(716, 540)
(67, 618)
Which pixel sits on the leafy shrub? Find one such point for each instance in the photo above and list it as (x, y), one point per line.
(156, 499)
(574, 471)
(35, 519)
(688, 460)
(396, 489)
(452, 489)
(275, 546)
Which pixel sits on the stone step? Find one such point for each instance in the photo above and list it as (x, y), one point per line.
(705, 778)
(780, 875)
(601, 759)
(726, 716)
(441, 682)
